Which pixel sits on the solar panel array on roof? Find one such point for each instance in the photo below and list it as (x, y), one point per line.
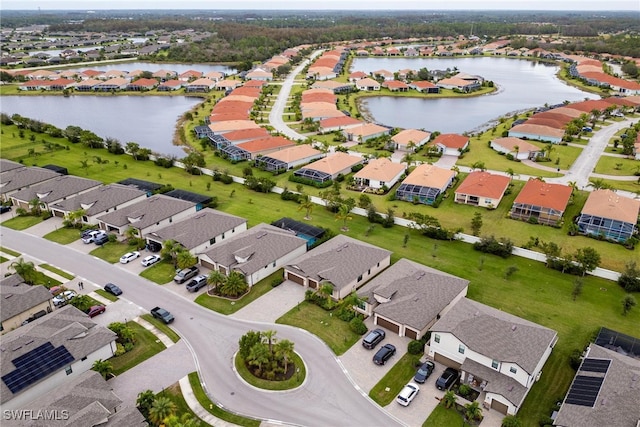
(188, 196)
(584, 390)
(595, 365)
(299, 227)
(35, 365)
(313, 175)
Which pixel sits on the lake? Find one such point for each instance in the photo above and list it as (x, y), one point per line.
(522, 85)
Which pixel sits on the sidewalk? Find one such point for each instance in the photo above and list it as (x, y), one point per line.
(194, 405)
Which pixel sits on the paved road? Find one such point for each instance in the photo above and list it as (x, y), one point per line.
(327, 398)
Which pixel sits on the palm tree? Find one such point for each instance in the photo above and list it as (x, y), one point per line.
(185, 420)
(185, 259)
(472, 411)
(235, 285)
(307, 205)
(145, 401)
(326, 290)
(161, 409)
(170, 249)
(598, 184)
(511, 173)
(215, 279)
(407, 158)
(449, 399)
(269, 335)
(25, 269)
(284, 349)
(103, 367)
(75, 217)
(36, 206)
(258, 355)
(411, 146)
(131, 233)
(344, 215)
(516, 148)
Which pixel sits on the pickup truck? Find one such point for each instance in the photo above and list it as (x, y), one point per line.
(162, 314)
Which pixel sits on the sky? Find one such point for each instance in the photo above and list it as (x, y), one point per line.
(573, 5)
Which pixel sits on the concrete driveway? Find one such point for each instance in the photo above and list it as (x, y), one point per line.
(271, 306)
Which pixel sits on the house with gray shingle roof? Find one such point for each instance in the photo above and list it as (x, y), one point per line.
(408, 298)
(201, 230)
(17, 179)
(7, 165)
(498, 354)
(99, 201)
(55, 190)
(147, 215)
(343, 262)
(87, 400)
(43, 355)
(256, 253)
(19, 301)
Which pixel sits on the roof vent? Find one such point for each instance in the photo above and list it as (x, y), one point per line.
(8, 296)
(420, 275)
(16, 348)
(28, 342)
(261, 235)
(603, 401)
(510, 388)
(514, 327)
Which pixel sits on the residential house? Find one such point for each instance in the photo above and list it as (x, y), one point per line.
(410, 139)
(396, 86)
(499, 354)
(259, 74)
(357, 75)
(171, 85)
(338, 123)
(190, 75)
(336, 87)
(86, 400)
(53, 191)
(114, 84)
(42, 355)
(518, 148)
(609, 215)
(288, 158)
(424, 184)
(482, 189)
(147, 215)
(450, 144)
(232, 125)
(164, 75)
(408, 298)
(342, 262)
(329, 167)
(380, 173)
(541, 202)
(458, 84)
(265, 146)
(17, 179)
(199, 231)
(227, 84)
(98, 201)
(21, 301)
(201, 85)
(424, 86)
(386, 75)
(367, 84)
(142, 84)
(537, 132)
(365, 131)
(256, 253)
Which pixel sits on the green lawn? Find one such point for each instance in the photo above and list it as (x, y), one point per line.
(57, 271)
(107, 295)
(442, 416)
(174, 393)
(227, 306)
(63, 235)
(295, 381)
(333, 331)
(173, 336)
(22, 222)
(9, 251)
(399, 375)
(160, 273)
(147, 346)
(111, 251)
(616, 166)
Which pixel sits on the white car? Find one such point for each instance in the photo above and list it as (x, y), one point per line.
(407, 394)
(90, 237)
(129, 256)
(63, 298)
(150, 260)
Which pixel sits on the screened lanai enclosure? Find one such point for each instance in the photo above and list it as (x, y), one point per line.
(313, 175)
(422, 194)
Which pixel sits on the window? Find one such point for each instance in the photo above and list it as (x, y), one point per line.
(513, 370)
(212, 241)
(68, 370)
(461, 349)
(359, 277)
(494, 364)
(436, 338)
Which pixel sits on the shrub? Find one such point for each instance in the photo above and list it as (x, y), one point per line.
(356, 168)
(491, 245)
(311, 182)
(575, 358)
(345, 314)
(464, 390)
(119, 350)
(277, 281)
(510, 421)
(357, 325)
(415, 347)
(290, 195)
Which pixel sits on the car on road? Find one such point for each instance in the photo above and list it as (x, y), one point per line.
(113, 289)
(446, 380)
(197, 283)
(94, 310)
(90, 237)
(186, 274)
(150, 260)
(384, 354)
(129, 256)
(101, 239)
(373, 338)
(63, 298)
(424, 372)
(407, 394)
(162, 314)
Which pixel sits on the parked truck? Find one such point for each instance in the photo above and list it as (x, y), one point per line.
(162, 314)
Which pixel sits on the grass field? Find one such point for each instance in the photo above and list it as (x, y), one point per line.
(442, 416)
(390, 385)
(147, 345)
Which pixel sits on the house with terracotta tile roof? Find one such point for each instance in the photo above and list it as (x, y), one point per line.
(227, 84)
(380, 173)
(385, 74)
(231, 125)
(190, 75)
(87, 85)
(171, 85)
(365, 132)
(265, 146)
(458, 83)
(357, 75)
(329, 167)
(425, 183)
(288, 158)
(142, 84)
(112, 74)
(609, 215)
(410, 137)
(367, 84)
(482, 189)
(243, 135)
(117, 83)
(424, 86)
(200, 85)
(450, 144)
(541, 202)
(336, 87)
(165, 74)
(395, 86)
(537, 132)
(338, 123)
(518, 148)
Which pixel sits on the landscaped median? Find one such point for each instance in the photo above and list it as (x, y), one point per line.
(390, 385)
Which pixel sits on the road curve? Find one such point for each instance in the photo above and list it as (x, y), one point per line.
(328, 397)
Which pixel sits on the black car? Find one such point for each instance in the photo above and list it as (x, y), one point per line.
(101, 239)
(384, 354)
(113, 289)
(424, 372)
(446, 380)
(4, 208)
(373, 338)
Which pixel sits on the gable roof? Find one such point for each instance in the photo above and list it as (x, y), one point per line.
(231, 125)
(381, 169)
(342, 121)
(99, 199)
(413, 294)
(246, 134)
(56, 189)
(609, 204)
(198, 228)
(484, 184)
(298, 152)
(17, 297)
(254, 249)
(367, 129)
(540, 193)
(18, 178)
(511, 142)
(146, 212)
(334, 163)
(406, 136)
(266, 144)
(496, 334)
(340, 260)
(426, 175)
(7, 165)
(451, 140)
(537, 130)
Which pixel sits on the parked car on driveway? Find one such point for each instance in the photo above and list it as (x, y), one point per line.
(446, 380)
(90, 237)
(197, 283)
(150, 260)
(101, 239)
(63, 298)
(424, 372)
(373, 338)
(94, 310)
(407, 394)
(384, 354)
(113, 289)
(186, 274)
(4, 208)
(129, 256)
